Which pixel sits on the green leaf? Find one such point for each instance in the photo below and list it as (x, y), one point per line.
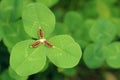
(13, 33)
(17, 10)
(81, 34)
(117, 23)
(73, 20)
(78, 29)
(103, 31)
(15, 76)
(6, 7)
(61, 28)
(5, 75)
(90, 9)
(112, 54)
(66, 53)
(110, 1)
(59, 12)
(103, 9)
(25, 60)
(94, 56)
(19, 5)
(68, 72)
(48, 3)
(0, 30)
(37, 15)
(11, 9)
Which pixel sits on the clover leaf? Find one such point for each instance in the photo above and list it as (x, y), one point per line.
(66, 53)
(37, 16)
(12, 34)
(112, 54)
(15, 76)
(94, 55)
(103, 31)
(25, 57)
(29, 56)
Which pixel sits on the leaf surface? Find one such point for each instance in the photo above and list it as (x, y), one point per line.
(112, 54)
(103, 31)
(25, 60)
(48, 3)
(66, 53)
(94, 56)
(35, 16)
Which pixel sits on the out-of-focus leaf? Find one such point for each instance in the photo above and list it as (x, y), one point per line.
(103, 9)
(73, 20)
(103, 31)
(68, 72)
(112, 54)
(90, 9)
(13, 34)
(94, 56)
(59, 13)
(48, 3)
(117, 23)
(6, 7)
(5, 76)
(11, 10)
(61, 28)
(0, 30)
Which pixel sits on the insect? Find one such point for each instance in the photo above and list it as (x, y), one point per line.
(35, 44)
(41, 40)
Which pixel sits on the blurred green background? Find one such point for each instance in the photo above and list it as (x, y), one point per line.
(94, 24)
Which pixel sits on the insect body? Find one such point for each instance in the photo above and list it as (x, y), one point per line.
(41, 40)
(35, 44)
(48, 44)
(41, 33)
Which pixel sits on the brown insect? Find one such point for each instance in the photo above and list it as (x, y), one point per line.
(36, 43)
(48, 44)
(41, 40)
(41, 33)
